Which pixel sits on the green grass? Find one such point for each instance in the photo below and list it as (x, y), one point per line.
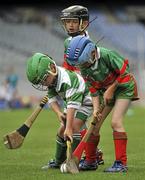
(39, 146)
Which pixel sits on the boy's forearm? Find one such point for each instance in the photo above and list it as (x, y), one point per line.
(113, 86)
(70, 117)
(95, 101)
(55, 107)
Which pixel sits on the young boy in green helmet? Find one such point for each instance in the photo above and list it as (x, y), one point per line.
(108, 77)
(43, 73)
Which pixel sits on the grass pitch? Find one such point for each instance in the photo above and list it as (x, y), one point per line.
(39, 146)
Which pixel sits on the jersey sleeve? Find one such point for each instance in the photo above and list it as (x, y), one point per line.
(121, 66)
(75, 100)
(74, 92)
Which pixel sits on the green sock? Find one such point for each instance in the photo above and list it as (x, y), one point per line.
(76, 140)
(60, 154)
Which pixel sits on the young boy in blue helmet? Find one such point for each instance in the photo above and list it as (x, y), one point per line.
(108, 77)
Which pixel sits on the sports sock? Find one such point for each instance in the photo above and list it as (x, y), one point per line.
(76, 140)
(120, 143)
(60, 154)
(90, 148)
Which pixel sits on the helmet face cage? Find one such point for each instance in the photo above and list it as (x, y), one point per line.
(75, 12)
(40, 85)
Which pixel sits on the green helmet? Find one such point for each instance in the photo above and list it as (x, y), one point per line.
(38, 67)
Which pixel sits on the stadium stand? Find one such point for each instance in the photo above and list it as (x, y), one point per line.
(22, 37)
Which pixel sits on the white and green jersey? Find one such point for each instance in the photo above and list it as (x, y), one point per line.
(71, 87)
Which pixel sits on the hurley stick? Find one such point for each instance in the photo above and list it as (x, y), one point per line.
(70, 162)
(16, 138)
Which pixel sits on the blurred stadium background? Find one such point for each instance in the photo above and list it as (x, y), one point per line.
(28, 28)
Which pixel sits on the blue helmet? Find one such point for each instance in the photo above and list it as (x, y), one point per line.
(79, 50)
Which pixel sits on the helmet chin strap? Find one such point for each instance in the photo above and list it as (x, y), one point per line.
(52, 73)
(74, 34)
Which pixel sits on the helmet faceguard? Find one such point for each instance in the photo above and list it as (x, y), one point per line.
(38, 69)
(75, 12)
(80, 51)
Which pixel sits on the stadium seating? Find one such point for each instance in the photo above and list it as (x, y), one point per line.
(124, 36)
(20, 40)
